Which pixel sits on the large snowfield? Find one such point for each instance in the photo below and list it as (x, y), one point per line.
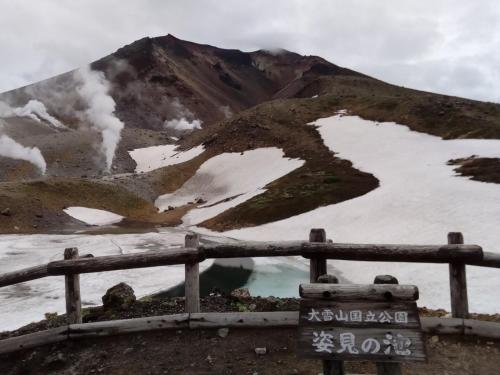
(420, 200)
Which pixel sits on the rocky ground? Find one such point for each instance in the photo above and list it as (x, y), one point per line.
(478, 169)
(222, 351)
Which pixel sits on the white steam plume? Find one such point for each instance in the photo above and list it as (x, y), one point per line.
(185, 120)
(226, 110)
(33, 109)
(94, 90)
(182, 124)
(12, 149)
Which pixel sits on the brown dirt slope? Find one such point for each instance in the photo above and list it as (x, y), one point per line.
(37, 206)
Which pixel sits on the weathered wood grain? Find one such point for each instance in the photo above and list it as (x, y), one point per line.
(481, 328)
(192, 277)
(317, 265)
(458, 282)
(72, 291)
(388, 368)
(353, 292)
(125, 261)
(489, 260)
(364, 252)
(430, 325)
(469, 254)
(244, 319)
(22, 275)
(33, 340)
(434, 325)
(116, 327)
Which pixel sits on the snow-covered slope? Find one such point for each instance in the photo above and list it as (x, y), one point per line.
(154, 157)
(419, 201)
(227, 180)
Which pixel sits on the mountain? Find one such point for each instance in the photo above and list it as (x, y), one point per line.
(234, 101)
(150, 73)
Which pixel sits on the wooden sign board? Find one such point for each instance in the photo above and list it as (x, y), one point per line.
(360, 330)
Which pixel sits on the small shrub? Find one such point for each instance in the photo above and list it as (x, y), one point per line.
(331, 180)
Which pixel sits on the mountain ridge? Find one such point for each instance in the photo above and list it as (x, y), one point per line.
(243, 101)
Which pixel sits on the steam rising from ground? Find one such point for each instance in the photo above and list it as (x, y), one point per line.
(226, 110)
(94, 90)
(34, 109)
(11, 149)
(183, 125)
(184, 121)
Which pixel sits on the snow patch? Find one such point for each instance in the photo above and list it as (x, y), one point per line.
(420, 200)
(93, 216)
(227, 180)
(154, 157)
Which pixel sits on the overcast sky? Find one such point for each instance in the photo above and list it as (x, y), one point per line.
(446, 46)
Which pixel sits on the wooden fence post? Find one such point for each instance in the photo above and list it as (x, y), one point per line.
(458, 282)
(387, 368)
(318, 273)
(317, 266)
(72, 287)
(192, 277)
(330, 367)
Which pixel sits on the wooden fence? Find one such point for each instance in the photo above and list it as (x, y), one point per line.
(318, 250)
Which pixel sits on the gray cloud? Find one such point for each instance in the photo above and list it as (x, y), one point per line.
(448, 46)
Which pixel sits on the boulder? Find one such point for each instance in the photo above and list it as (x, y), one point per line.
(121, 297)
(223, 332)
(6, 212)
(240, 294)
(260, 351)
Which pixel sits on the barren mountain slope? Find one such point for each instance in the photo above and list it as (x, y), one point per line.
(244, 100)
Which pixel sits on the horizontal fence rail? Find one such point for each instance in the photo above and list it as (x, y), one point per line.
(365, 252)
(125, 261)
(467, 254)
(318, 249)
(271, 319)
(489, 260)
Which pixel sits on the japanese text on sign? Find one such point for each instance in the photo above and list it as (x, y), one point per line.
(329, 315)
(346, 342)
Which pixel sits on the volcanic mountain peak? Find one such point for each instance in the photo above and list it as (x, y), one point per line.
(150, 76)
